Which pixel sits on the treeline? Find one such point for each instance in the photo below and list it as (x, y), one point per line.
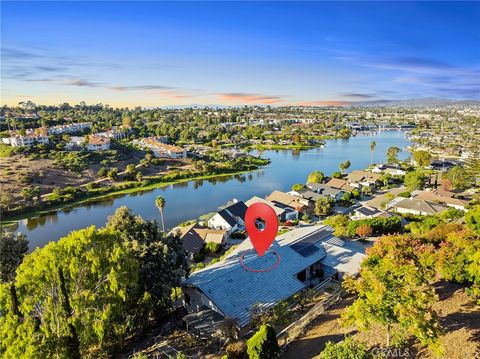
(85, 294)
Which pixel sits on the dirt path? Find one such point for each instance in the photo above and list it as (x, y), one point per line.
(323, 329)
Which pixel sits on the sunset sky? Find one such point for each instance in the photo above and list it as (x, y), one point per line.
(237, 53)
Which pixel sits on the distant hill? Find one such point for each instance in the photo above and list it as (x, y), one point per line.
(420, 102)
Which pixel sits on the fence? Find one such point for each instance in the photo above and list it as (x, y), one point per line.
(291, 332)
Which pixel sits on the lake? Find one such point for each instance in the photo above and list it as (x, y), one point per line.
(189, 200)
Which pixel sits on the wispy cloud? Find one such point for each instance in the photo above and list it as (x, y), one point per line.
(244, 97)
(82, 83)
(326, 103)
(357, 95)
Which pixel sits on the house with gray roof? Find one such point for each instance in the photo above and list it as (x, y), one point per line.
(326, 190)
(230, 218)
(416, 206)
(307, 256)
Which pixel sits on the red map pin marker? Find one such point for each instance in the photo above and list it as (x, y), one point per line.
(261, 238)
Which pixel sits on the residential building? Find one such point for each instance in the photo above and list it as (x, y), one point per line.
(342, 184)
(230, 218)
(326, 191)
(161, 149)
(415, 206)
(69, 128)
(365, 212)
(98, 143)
(363, 178)
(284, 213)
(440, 196)
(392, 169)
(74, 142)
(195, 236)
(308, 255)
(288, 200)
(32, 137)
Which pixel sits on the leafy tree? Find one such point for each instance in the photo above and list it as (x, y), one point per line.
(113, 173)
(297, 187)
(414, 180)
(392, 154)
(422, 158)
(364, 231)
(316, 177)
(324, 206)
(346, 349)
(472, 219)
(160, 203)
(212, 247)
(337, 175)
(458, 260)
(83, 280)
(345, 165)
(13, 248)
(263, 344)
(393, 290)
(373, 144)
(339, 223)
(162, 260)
(459, 178)
(6, 200)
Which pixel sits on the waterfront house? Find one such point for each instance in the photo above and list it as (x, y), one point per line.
(327, 191)
(161, 149)
(98, 143)
(288, 200)
(342, 184)
(391, 169)
(283, 212)
(363, 178)
(307, 256)
(230, 218)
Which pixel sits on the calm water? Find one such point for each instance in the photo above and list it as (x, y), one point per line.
(191, 199)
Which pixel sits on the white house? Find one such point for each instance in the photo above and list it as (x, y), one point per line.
(74, 142)
(230, 218)
(161, 149)
(69, 128)
(98, 143)
(32, 137)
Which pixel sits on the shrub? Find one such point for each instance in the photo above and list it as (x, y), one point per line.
(102, 172)
(297, 187)
(364, 231)
(379, 225)
(348, 348)
(199, 257)
(305, 217)
(212, 247)
(263, 344)
(237, 350)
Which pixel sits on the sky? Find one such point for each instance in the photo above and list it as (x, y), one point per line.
(129, 54)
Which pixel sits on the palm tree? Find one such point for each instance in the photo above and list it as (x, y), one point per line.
(372, 150)
(160, 203)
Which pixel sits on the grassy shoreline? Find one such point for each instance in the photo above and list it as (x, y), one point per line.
(89, 200)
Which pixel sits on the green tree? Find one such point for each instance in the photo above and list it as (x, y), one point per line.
(162, 260)
(346, 349)
(392, 154)
(160, 203)
(83, 280)
(373, 144)
(459, 178)
(263, 344)
(13, 248)
(393, 290)
(458, 260)
(339, 223)
(344, 166)
(337, 174)
(315, 177)
(422, 158)
(324, 206)
(414, 180)
(297, 187)
(472, 219)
